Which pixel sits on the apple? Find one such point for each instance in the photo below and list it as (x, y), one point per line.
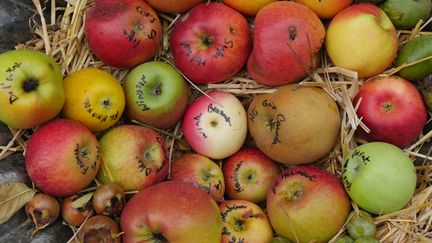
(392, 108)
(307, 204)
(363, 39)
(31, 83)
(122, 33)
(326, 9)
(379, 177)
(244, 221)
(133, 157)
(62, 157)
(210, 43)
(247, 7)
(75, 216)
(173, 6)
(287, 39)
(100, 229)
(171, 211)
(156, 94)
(295, 124)
(200, 171)
(215, 127)
(248, 175)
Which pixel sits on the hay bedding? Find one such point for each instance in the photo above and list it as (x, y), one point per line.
(60, 34)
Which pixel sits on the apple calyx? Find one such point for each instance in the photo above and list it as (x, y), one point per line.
(30, 85)
(387, 106)
(106, 103)
(156, 91)
(293, 191)
(206, 40)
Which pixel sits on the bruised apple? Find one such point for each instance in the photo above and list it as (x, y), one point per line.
(287, 38)
(173, 6)
(210, 43)
(123, 33)
(295, 124)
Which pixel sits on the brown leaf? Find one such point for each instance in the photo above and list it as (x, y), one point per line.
(13, 196)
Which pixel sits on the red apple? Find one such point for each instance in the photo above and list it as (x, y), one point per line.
(215, 127)
(171, 211)
(200, 171)
(123, 33)
(210, 43)
(62, 157)
(133, 156)
(307, 204)
(287, 38)
(244, 221)
(248, 175)
(173, 6)
(392, 108)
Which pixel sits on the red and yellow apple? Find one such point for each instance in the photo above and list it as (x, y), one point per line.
(62, 157)
(244, 221)
(200, 171)
(392, 108)
(210, 43)
(326, 9)
(247, 7)
(287, 39)
(363, 39)
(215, 127)
(122, 33)
(307, 204)
(171, 211)
(133, 157)
(248, 175)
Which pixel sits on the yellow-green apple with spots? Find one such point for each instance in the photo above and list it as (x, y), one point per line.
(307, 204)
(215, 125)
(171, 211)
(133, 157)
(362, 38)
(62, 157)
(156, 94)
(31, 88)
(200, 171)
(244, 221)
(248, 175)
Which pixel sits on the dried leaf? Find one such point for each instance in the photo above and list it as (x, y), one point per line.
(82, 201)
(13, 196)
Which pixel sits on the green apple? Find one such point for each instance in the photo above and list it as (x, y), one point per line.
(156, 94)
(31, 88)
(406, 13)
(379, 177)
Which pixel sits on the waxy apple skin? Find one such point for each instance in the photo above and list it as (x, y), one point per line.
(123, 33)
(244, 221)
(156, 94)
(210, 43)
(308, 200)
(326, 9)
(176, 211)
(379, 177)
(287, 38)
(216, 129)
(362, 38)
(133, 156)
(62, 157)
(31, 84)
(392, 108)
(173, 6)
(202, 172)
(248, 175)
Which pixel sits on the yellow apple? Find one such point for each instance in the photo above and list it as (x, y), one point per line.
(362, 38)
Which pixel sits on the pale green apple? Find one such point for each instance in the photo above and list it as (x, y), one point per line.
(31, 88)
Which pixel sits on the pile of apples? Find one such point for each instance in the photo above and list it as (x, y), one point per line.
(224, 191)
